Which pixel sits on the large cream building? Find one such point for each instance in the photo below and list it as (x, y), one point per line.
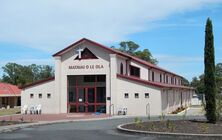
(90, 77)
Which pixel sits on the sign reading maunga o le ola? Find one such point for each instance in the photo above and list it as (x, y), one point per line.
(86, 67)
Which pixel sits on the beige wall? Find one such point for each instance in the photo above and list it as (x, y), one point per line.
(48, 105)
(137, 106)
(171, 99)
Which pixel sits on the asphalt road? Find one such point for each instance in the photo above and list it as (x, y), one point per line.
(85, 130)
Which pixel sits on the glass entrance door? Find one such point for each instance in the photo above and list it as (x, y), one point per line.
(81, 102)
(86, 99)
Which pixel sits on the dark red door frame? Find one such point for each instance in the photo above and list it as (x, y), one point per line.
(85, 103)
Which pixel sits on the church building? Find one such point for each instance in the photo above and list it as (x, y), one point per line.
(90, 77)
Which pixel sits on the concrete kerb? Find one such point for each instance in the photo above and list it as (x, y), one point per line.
(167, 134)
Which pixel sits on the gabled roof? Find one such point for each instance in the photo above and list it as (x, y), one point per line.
(152, 66)
(38, 82)
(8, 89)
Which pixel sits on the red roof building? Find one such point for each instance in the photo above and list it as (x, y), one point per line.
(9, 95)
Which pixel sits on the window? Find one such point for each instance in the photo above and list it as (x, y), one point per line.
(160, 78)
(171, 80)
(48, 95)
(40, 95)
(152, 76)
(147, 95)
(101, 94)
(164, 78)
(126, 95)
(134, 71)
(101, 78)
(167, 79)
(31, 96)
(89, 78)
(121, 68)
(136, 95)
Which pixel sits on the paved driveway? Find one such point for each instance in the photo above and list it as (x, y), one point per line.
(85, 130)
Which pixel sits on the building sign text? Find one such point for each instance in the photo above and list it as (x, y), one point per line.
(86, 67)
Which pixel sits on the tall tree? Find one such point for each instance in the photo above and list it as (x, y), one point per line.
(209, 72)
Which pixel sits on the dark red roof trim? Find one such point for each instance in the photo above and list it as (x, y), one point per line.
(116, 52)
(160, 85)
(38, 82)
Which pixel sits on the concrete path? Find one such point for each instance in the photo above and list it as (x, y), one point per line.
(193, 111)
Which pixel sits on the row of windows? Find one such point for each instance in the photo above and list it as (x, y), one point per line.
(136, 95)
(40, 95)
(135, 71)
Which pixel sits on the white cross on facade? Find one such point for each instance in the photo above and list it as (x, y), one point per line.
(79, 52)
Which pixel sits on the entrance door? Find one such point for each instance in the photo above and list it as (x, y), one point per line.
(86, 99)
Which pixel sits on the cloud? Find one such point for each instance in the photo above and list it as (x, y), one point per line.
(50, 25)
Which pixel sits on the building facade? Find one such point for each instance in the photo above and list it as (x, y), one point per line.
(90, 77)
(9, 96)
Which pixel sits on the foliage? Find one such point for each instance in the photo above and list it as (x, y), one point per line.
(138, 122)
(204, 127)
(170, 126)
(218, 70)
(20, 74)
(219, 107)
(209, 72)
(198, 83)
(179, 109)
(185, 82)
(131, 47)
(162, 116)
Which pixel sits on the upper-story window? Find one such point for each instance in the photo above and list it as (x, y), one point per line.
(121, 68)
(167, 79)
(160, 78)
(171, 80)
(152, 76)
(134, 71)
(164, 78)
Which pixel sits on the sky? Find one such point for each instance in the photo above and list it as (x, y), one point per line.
(31, 31)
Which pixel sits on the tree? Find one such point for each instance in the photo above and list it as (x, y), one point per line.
(11, 73)
(128, 47)
(20, 75)
(218, 70)
(198, 84)
(146, 55)
(209, 72)
(131, 47)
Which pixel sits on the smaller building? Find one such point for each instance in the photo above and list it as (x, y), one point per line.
(10, 96)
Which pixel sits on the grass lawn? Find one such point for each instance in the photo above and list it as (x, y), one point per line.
(10, 111)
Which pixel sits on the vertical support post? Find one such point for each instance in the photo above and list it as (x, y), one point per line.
(58, 83)
(113, 80)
